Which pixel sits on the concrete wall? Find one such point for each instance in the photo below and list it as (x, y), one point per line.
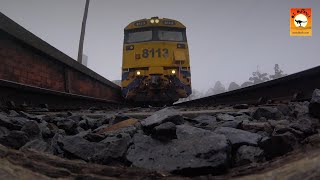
(26, 59)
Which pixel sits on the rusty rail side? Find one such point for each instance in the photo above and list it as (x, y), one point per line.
(20, 96)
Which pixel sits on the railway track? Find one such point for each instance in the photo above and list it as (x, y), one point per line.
(20, 96)
(294, 87)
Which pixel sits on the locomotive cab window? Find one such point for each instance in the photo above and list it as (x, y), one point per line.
(165, 35)
(155, 34)
(139, 36)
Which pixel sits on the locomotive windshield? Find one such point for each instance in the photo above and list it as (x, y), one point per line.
(139, 36)
(155, 34)
(165, 35)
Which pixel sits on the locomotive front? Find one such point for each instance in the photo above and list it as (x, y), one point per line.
(155, 65)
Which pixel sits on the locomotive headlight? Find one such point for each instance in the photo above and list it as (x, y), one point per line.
(157, 21)
(173, 71)
(138, 73)
(152, 21)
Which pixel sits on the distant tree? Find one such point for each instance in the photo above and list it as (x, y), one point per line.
(246, 84)
(209, 92)
(218, 88)
(278, 73)
(233, 86)
(258, 77)
(195, 94)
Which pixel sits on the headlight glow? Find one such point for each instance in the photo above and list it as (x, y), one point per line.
(138, 72)
(173, 71)
(152, 21)
(157, 21)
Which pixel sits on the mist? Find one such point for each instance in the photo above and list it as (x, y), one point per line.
(228, 40)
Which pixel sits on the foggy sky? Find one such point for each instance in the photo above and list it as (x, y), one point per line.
(227, 39)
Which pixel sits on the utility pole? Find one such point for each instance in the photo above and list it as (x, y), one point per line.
(83, 30)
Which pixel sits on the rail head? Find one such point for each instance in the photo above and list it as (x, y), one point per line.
(297, 86)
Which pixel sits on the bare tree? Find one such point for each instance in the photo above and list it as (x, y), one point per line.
(278, 73)
(258, 77)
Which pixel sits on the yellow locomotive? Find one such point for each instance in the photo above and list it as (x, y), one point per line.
(155, 65)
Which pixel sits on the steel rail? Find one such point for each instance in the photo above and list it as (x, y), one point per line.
(294, 87)
(16, 94)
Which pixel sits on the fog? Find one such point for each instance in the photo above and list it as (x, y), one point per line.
(228, 40)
